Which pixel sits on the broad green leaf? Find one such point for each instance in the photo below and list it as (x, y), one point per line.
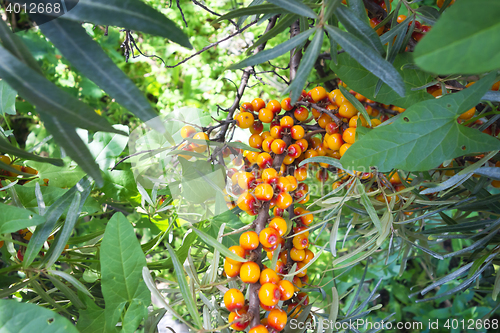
(184, 288)
(92, 319)
(7, 99)
(362, 81)
(131, 15)
(25, 317)
(284, 23)
(200, 180)
(71, 279)
(369, 59)
(120, 185)
(296, 7)
(44, 94)
(122, 261)
(306, 65)
(70, 294)
(465, 40)
(88, 57)
(252, 10)
(274, 52)
(221, 248)
(424, 136)
(65, 136)
(7, 148)
(52, 215)
(357, 104)
(14, 218)
(13, 43)
(64, 177)
(359, 28)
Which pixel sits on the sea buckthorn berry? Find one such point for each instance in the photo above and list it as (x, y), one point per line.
(337, 97)
(302, 196)
(310, 153)
(270, 176)
(297, 132)
(269, 294)
(264, 160)
(257, 128)
(287, 289)
(293, 182)
(278, 212)
(246, 107)
(249, 240)
(274, 106)
(468, 114)
(294, 309)
(265, 135)
(234, 299)
(267, 144)
(305, 279)
(353, 122)
(297, 282)
(278, 146)
(401, 18)
(301, 231)
(250, 272)
(280, 267)
(303, 186)
(297, 255)
(360, 97)
(255, 141)
(300, 265)
(286, 122)
(318, 94)
(238, 326)
(1, 244)
(294, 150)
(301, 113)
(303, 144)
(258, 104)
(269, 276)
(375, 122)
(246, 180)
(259, 329)
(277, 132)
(374, 22)
(231, 270)
(349, 135)
(335, 141)
(284, 184)
(186, 131)
(323, 120)
(347, 110)
(417, 36)
(332, 128)
(300, 173)
(303, 298)
(395, 178)
(440, 3)
(286, 104)
(239, 251)
(315, 142)
(309, 256)
(266, 116)
(300, 242)
(264, 192)
(284, 200)
(244, 119)
(275, 122)
(344, 148)
(306, 219)
(246, 201)
(277, 319)
(269, 237)
(495, 86)
(267, 308)
(322, 175)
(251, 157)
(279, 224)
(316, 114)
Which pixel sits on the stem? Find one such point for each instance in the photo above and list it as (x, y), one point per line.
(295, 54)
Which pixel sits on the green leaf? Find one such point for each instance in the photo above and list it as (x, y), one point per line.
(357, 104)
(465, 40)
(14, 218)
(252, 10)
(330, 7)
(241, 145)
(221, 248)
(184, 288)
(89, 58)
(7, 99)
(122, 261)
(7, 148)
(284, 23)
(200, 180)
(359, 28)
(362, 81)
(365, 201)
(92, 319)
(44, 94)
(306, 65)
(71, 279)
(65, 136)
(414, 143)
(428, 14)
(369, 59)
(296, 7)
(64, 177)
(131, 15)
(106, 147)
(25, 317)
(274, 52)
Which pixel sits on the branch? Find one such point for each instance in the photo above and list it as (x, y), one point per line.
(295, 54)
(212, 12)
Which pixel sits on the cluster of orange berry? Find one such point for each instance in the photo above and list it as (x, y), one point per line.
(21, 168)
(26, 236)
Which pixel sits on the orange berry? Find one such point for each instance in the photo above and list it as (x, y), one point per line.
(316, 114)
(303, 144)
(286, 104)
(266, 115)
(297, 255)
(239, 326)
(286, 122)
(277, 319)
(353, 122)
(401, 18)
(344, 148)
(322, 175)
(300, 265)
(264, 192)
(230, 269)
(300, 173)
(440, 3)
(395, 178)
(318, 94)
(244, 107)
(284, 200)
(270, 176)
(349, 135)
(332, 128)
(310, 153)
(301, 231)
(267, 144)
(278, 146)
(375, 122)
(294, 151)
(259, 329)
(269, 237)
(250, 272)
(255, 141)
(347, 110)
(323, 120)
(277, 132)
(249, 240)
(246, 201)
(186, 131)
(374, 22)
(309, 255)
(1, 244)
(303, 298)
(239, 251)
(234, 299)
(246, 180)
(301, 113)
(306, 219)
(264, 160)
(302, 195)
(287, 289)
(297, 132)
(495, 86)
(269, 276)
(257, 128)
(258, 104)
(269, 294)
(244, 119)
(279, 224)
(468, 114)
(297, 282)
(293, 183)
(280, 267)
(274, 106)
(300, 242)
(335, 141)
(494, 183)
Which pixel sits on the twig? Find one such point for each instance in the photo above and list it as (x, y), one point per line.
(212, 12)
(295, 54)
(182, 14)
(319, 108)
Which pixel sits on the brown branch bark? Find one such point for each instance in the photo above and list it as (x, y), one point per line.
(295, 54)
